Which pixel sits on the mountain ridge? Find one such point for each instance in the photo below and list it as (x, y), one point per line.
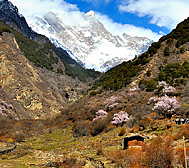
(88, 40)
(12, 17)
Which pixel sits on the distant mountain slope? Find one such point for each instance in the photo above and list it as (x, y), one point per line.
(162, 61)
(130, 85)
(89, 42)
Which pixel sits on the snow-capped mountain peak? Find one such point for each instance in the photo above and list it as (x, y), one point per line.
(91, 14)
(88, 41)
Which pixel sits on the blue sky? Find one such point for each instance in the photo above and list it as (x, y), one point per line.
(111, 9)
(150, 18)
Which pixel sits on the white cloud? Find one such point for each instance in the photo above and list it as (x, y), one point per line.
(163, 13)
(38, 7)
(119, 29)
(71, 15)
(97, 1)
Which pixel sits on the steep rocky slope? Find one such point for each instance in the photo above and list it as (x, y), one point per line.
(43, 55)
(10, 15)
(34, 92)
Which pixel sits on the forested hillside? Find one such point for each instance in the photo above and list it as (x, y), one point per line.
(171, 66)
(42, 56)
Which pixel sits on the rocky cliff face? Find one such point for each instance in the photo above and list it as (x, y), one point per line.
(34, 92)
(10, 15)
(89, 42)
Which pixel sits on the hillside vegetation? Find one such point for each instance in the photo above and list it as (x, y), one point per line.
(42, 55)
(122, 75)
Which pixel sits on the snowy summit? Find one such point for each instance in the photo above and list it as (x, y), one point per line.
(88, 41)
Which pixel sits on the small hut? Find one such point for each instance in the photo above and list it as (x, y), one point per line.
(131, 138)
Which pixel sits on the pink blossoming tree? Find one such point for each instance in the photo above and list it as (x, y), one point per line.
(120, 118)
(165, 105)
(135, 89)
(167, 89)
(5, 110)
(111, 103)
(101, 114)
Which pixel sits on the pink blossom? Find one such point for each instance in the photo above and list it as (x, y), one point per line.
(135, 89)
(4, 114)
(110, 103)
(120, 118)
(4, 109)
(153, 99)
(168, 89)
(17, 119)
(162, 83)
(111, 106)
(101, 114)
(165, 103)
(112, 99)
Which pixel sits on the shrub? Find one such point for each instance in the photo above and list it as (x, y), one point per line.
(68, 163)
(19, 138)
(159, 153)
(133, 129)
(184, 131)
(110, 128)
(148, 73)
(145, 122)
(81, 128)
(151, 86)
(59, 70)
(182, 50)
(93, 93)
(4, 29)
(132, 157)
(122, 131)
(98, 126)
(180, 156)
(166, 51)
(152, 50)
(170, 41)
(99, 150)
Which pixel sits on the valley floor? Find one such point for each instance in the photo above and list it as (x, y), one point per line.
(61, 149)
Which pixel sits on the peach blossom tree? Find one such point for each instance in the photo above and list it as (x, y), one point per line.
(101, 114)
(120, 118)
(165, 105)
